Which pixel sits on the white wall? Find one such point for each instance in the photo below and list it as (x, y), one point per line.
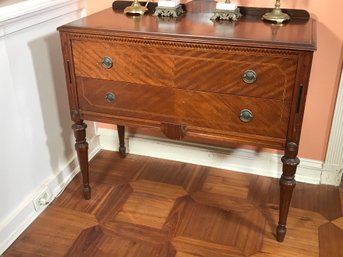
(35, 134)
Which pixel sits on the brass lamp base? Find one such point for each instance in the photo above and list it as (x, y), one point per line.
(233, 15)
(135, 8)
(168, 11)
(276, 15)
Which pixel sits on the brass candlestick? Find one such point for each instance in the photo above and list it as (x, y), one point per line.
(276, 14)
(135, 8)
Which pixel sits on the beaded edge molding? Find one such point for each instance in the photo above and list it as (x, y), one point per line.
(175, 44)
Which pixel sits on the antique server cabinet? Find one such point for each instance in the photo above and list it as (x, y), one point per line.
(243, 82)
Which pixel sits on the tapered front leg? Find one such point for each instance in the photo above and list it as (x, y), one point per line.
(287, 183)
(121, 135)
(81, 147)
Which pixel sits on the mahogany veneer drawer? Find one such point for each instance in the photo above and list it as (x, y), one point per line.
(189, 108)
(210, 69)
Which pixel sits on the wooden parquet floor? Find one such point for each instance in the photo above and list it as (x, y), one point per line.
(147, 207)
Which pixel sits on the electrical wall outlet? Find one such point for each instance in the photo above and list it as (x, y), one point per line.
(42, 199)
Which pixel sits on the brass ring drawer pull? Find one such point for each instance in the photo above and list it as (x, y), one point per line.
(107, 62)
(249, 76)
(110, 97)
(246, 115)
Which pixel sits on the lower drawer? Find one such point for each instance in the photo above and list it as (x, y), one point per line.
(190, 108)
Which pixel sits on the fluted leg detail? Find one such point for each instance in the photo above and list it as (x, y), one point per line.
(81, 147)
(287, 183)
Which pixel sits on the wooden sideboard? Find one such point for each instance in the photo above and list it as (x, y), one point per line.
(243, 82)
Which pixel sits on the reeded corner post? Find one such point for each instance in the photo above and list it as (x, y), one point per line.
(287, 183)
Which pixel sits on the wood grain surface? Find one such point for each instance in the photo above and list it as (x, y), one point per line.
(194, 109)
(196, 24)
(146, 207)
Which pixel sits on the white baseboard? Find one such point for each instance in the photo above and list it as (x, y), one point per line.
(25, 214)
(332, 174)
(241, 160)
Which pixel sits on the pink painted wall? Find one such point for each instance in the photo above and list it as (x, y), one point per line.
(326, 68)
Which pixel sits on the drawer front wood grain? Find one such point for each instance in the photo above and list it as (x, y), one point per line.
(189, 66)
(224, 74)
(131, 63)
(191, 108)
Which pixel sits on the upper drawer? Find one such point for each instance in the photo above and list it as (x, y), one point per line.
(229, 70)
(130, 62)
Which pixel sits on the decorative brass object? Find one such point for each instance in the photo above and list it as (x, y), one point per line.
(135, 8)
(249, 76)
(276, 14)
(107, 62)
(222, 14)
(246, 115)
(110, 97)
(168, 11)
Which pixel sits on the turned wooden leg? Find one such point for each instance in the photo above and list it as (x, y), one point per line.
(81, 147)
(121, 134)
(287, 183)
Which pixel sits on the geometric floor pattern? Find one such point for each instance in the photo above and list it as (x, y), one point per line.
(148, 207)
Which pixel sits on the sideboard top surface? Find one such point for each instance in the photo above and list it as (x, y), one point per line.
(196, 26)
